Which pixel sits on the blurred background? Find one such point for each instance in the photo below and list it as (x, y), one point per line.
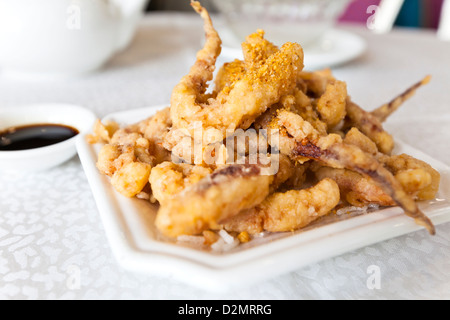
(414, 13)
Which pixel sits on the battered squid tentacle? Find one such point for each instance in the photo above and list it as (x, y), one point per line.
(340, 155)
(237, 106)
(355, 188)
(370, 123)
(419, 180)
(371, 126)
(383, 112)
(191, 89)
(331, 151)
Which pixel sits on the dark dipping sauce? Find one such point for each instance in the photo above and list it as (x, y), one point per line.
(34, 136)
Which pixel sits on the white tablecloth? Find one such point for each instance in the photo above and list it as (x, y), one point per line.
(51, 235)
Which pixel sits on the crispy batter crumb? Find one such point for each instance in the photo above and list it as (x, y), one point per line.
(244, 237)
(210, 237)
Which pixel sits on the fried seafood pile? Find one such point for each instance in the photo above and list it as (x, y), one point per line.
(329, 152)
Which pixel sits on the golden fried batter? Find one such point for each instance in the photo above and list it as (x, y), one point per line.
(359, 139)
(155, 130)
(102, 132)
(257, 50)
(126, 146)
(296, 126)
(220, 195)
(355, 188)
(287, 211)
(331, 105)
(229, 74)
(370, 126)
(316, 82)
(417, 177)
(168, 179)
(131, 178)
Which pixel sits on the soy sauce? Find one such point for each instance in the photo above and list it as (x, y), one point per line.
(34, 136)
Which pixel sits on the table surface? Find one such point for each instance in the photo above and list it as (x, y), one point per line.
(50, 230)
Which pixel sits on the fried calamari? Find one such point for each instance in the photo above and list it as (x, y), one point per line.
(268, 148)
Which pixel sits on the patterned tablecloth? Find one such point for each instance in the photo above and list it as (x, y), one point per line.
(53, 244)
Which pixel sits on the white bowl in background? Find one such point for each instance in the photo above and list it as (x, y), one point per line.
(301, 21)
(47, 157)
(64, 38)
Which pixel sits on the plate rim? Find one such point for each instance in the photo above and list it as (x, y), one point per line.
(223, 275)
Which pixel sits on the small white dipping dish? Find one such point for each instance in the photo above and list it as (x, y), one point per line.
(43, 158)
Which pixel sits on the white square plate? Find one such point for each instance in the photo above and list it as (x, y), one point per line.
(129, 225)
